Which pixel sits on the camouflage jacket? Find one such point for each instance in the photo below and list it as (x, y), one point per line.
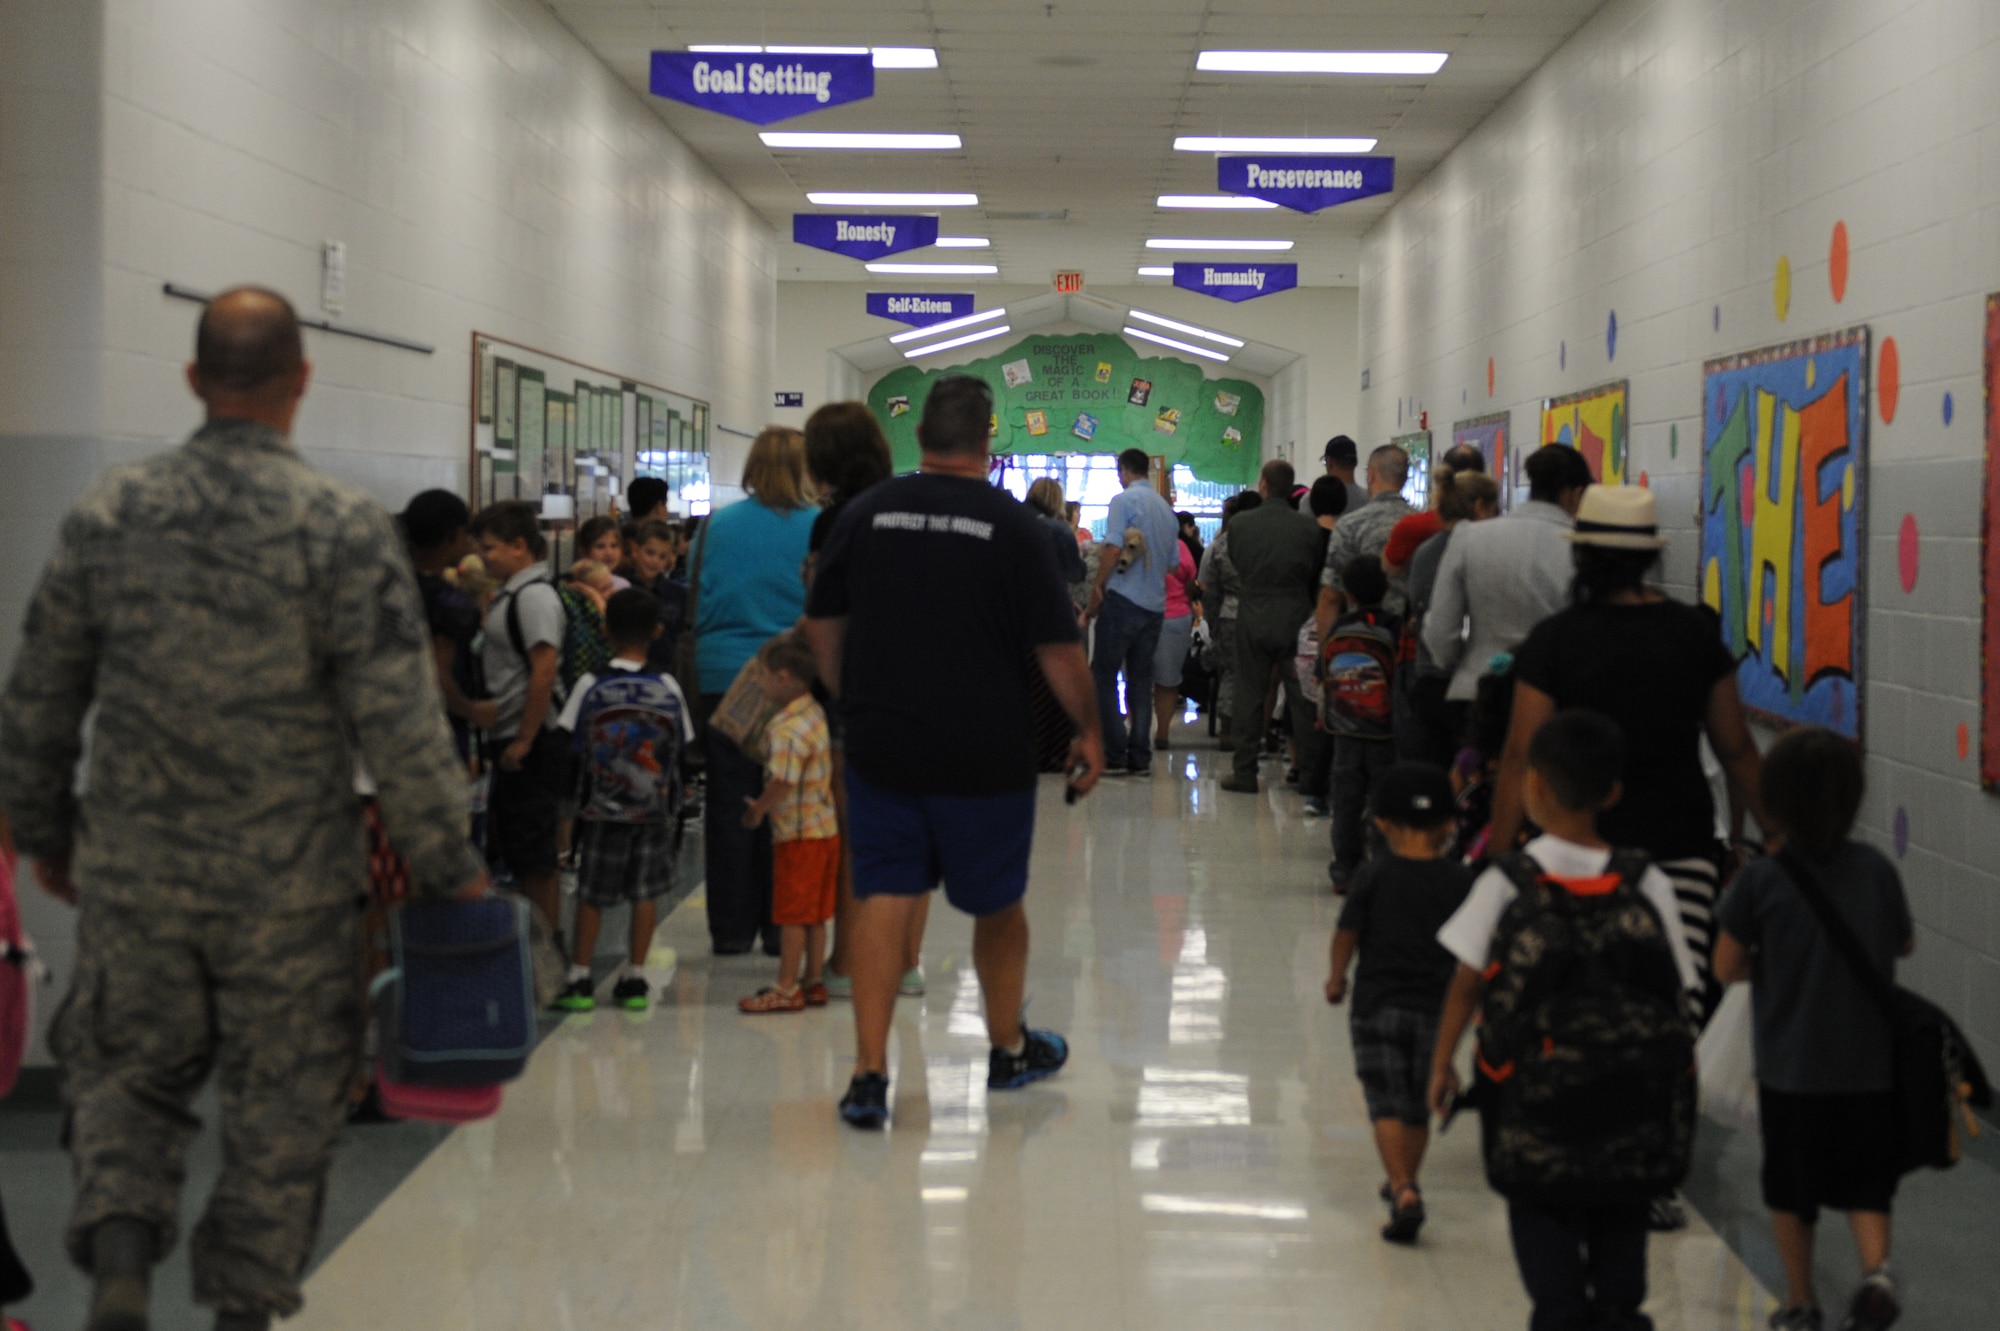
(247, 629)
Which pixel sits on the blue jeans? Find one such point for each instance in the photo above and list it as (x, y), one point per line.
(1127, 638)
(1584, 1267)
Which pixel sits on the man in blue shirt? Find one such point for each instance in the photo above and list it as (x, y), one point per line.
(1129, 605)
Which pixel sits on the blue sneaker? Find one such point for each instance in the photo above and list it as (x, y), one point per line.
(866, 1104)
(1043, 1054)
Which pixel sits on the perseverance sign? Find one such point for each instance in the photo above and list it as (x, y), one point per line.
(1306, 184)
(762, 89)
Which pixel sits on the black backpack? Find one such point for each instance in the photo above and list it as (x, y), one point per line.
(1586, 1054)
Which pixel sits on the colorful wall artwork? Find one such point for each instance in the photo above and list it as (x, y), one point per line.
(1594, 423)
(1092, 393)
(1490, 435)
(1417, 490)
(1784, 494)
(1989, 578)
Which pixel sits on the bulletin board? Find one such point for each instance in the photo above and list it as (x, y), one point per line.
(546, 426)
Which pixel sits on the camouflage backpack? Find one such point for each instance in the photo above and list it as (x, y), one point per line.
(1585, 1050)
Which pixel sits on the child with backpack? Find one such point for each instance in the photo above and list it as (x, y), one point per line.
(805, 830)
(1825, 1067)
(1357, 707)
(1394, 909)
(630, 726)
(1573, 958)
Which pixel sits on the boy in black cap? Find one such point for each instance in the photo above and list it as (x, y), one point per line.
(1395, 906)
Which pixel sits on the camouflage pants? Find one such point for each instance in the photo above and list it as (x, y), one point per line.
(271, 1004)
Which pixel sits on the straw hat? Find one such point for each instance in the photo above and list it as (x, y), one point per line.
(1619, 517)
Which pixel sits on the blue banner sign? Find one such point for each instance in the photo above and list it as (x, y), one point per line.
(1236, 281)
(864, 235)
(1306, 184)
(919, 309)
(762, 89)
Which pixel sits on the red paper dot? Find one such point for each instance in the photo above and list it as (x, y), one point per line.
(1889, 379)
(1908, 552)
(1489, 376)
(1964, 741)
(1645, 481)
(1836, 263)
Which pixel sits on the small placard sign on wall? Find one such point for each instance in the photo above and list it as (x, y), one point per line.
(784, 399)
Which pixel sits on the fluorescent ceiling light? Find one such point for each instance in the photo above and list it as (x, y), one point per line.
(905, 57)
(848, 139)
(934, 329)
(1210, 201)
(1188, 347)
(1194, 144)
(979, 336)
(1218, 244)
(936, 269)
(886, 57)
(962, 242)
(1322, 62)
(852, 199)
(1223, 338)
(1156, 272)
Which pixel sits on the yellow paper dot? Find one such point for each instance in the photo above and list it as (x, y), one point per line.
(1711, 586)
(1847, 489)
(1781, 289)
(1812, 371)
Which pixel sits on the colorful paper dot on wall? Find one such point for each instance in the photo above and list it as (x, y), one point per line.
(1836, 262)
(1489, 376)
(1902, 830)
(1562, 355)
(1889, 379)
(1847, 490)
(1673, 441)
(1908, 553)
(1812, 371)
(1781, 289)
(1964, 741)
(1947, 409)
(1715, 318)
(1645, 481)
(1711, 583)
(1463, 396)
(1611, 337)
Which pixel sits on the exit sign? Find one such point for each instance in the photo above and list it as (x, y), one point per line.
(1068, 284)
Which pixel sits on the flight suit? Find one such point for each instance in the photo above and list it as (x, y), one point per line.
(1276, 552)
(247, 630)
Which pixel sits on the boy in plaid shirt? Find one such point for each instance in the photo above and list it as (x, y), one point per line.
(805, 836)
(630, 725)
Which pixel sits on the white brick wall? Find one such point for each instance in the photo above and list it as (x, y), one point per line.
(1658, 165)
(485, 170)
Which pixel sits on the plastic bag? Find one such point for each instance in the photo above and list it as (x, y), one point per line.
(1727, 1060)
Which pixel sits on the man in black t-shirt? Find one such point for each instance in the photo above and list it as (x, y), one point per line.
(934, 597)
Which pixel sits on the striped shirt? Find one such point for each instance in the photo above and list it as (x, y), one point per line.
(802, 757)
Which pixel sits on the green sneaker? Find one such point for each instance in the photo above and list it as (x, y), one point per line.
(913, 983)
(840, 987)
(577, 996)
(632, 993)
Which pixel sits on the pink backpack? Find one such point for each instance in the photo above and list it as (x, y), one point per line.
(19, 970)
(435, 1104)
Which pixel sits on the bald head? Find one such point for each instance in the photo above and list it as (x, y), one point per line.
(249, 357)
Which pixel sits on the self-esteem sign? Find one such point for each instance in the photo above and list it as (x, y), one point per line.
(864, 235)
(1306, 184)
(919, 309)
(762, 89)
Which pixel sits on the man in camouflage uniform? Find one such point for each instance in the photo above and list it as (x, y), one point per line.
(248, 630)
(1365, 531)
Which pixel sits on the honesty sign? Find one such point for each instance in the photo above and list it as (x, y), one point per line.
(919, 309)
(1236, 281)
(1306, 184)
(762, 89)
(864, 235)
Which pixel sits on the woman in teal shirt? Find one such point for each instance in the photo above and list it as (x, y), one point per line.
(751, 557)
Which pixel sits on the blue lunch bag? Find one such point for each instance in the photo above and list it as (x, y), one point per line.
(456, 1006)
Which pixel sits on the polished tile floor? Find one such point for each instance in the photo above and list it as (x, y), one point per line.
(1204, 1161)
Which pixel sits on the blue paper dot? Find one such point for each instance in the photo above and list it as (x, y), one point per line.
(1902, 832)
(1611, 338)
(1947, 408)
(1562, 355)
(1715, 318)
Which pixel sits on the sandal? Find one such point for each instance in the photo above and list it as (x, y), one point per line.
(773, 1000)
(1407, 1218)
(815, 992)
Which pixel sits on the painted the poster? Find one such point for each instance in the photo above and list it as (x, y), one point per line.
(1784, 496)
(1594, 423)
(1489, 434)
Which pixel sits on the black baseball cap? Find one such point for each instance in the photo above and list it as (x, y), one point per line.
(1342, 450)
(1414, 795)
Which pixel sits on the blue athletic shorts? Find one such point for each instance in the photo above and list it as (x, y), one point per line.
(977, 844)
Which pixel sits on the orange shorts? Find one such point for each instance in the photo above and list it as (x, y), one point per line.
(805, 876)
